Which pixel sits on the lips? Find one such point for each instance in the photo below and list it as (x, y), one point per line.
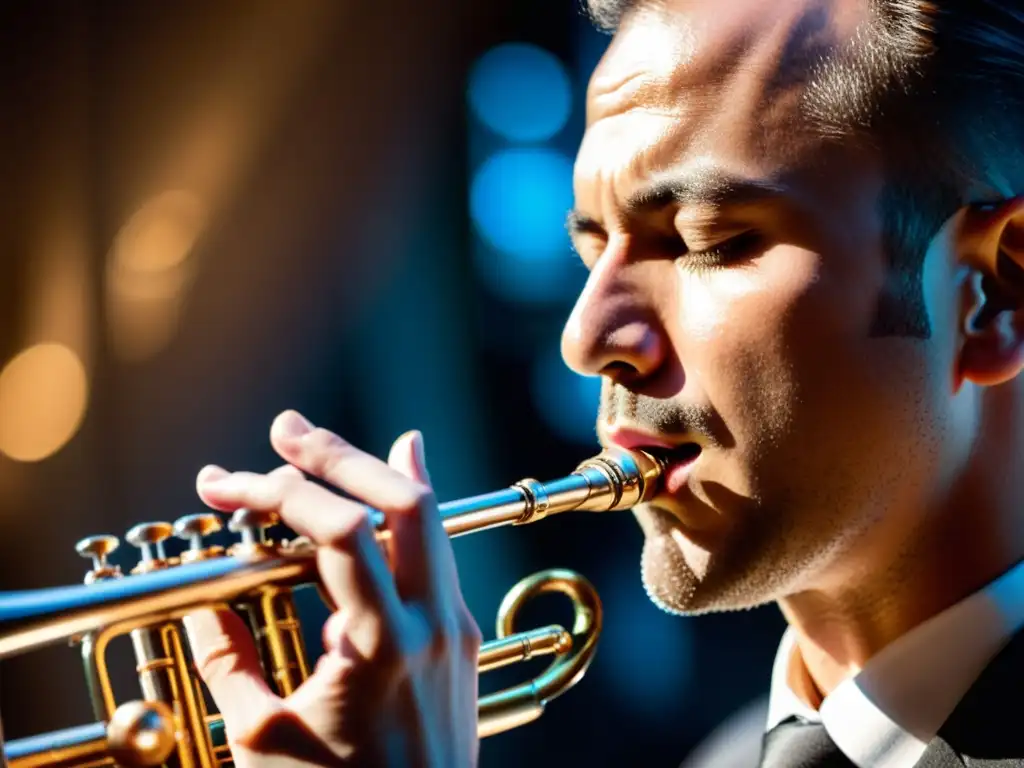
(631, 438)
(680, 465)
(680, 457)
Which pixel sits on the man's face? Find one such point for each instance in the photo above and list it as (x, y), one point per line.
(736, 274)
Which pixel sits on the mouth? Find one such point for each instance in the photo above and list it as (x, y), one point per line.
(678, 467)
(679, 457)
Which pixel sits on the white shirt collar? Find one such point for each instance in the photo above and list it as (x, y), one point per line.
(885, 715)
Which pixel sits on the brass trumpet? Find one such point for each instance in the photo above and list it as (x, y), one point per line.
(172, 726)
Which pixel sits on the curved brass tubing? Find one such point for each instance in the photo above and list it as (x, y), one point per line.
(525, 702)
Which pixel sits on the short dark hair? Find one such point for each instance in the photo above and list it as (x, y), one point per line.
(937, 86)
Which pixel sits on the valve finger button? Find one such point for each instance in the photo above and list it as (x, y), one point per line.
(97, 548)
(150, 538)
(193, 529)
(300, 545)
(251, 526)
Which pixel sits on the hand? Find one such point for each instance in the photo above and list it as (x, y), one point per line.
(397, 684)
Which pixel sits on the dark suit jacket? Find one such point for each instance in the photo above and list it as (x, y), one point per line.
(986, 730)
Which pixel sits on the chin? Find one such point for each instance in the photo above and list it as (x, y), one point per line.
(685, 576)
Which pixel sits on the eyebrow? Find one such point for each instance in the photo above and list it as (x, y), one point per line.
(713, 188)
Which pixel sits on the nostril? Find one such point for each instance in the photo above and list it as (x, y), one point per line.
(620, 371)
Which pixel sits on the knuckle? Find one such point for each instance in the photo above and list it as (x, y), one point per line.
(287, 472)
(384, 652)
(454, 634)
(216, 661)
(281, 482)
(472, 637)
(277, 488)
(439, 647)
(324, 439)
(368, 642)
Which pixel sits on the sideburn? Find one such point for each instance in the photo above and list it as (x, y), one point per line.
(910, 218)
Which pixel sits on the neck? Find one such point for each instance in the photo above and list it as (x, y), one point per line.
(956, 549)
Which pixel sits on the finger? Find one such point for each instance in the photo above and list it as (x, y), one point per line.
(350, 561)
(323, 454)
(322, 703)
(424, 563)
(407, 502)
(325, 700)
(334, 630)
(227, 661)
(210, 472)
(213, 477)
(407, 456)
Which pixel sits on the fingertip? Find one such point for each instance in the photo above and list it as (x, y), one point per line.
(209, 474)
(289, 425)
(402, 455)
(213, 486)
(407, 456)
(212, 471)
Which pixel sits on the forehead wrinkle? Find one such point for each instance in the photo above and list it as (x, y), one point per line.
(733, 95)
(693, 65)
(640, 65)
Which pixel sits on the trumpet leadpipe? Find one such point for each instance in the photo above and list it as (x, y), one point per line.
(613, 480)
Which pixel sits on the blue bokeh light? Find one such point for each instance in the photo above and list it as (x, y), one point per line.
(658, 679)
(520, 92)
(553, 281)
(518, 200)
(566, 401)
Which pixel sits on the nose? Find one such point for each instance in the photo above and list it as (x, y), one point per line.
(614, 329)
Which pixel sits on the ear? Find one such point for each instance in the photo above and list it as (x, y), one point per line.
(991, 246)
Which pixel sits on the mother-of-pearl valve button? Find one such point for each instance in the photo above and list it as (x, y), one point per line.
(193, 529)
(149, 538)
(97, 548)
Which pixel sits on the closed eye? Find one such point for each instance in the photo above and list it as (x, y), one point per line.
(722, 254)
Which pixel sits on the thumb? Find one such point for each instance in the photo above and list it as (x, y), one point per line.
(227, 661)
(325, 702)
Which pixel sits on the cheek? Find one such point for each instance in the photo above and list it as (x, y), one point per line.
(781, 350)
(834, 401)
(741, 327)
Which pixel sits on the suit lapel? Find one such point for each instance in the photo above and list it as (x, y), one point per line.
(939, 755)
(986, 728)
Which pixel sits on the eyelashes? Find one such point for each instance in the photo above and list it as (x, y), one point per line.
(725, 253)
(728, 252)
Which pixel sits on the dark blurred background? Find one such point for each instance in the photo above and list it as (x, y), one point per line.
(213, 211)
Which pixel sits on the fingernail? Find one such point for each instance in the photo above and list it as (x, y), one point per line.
(212, 473)
(216, 481)
(293, 424)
